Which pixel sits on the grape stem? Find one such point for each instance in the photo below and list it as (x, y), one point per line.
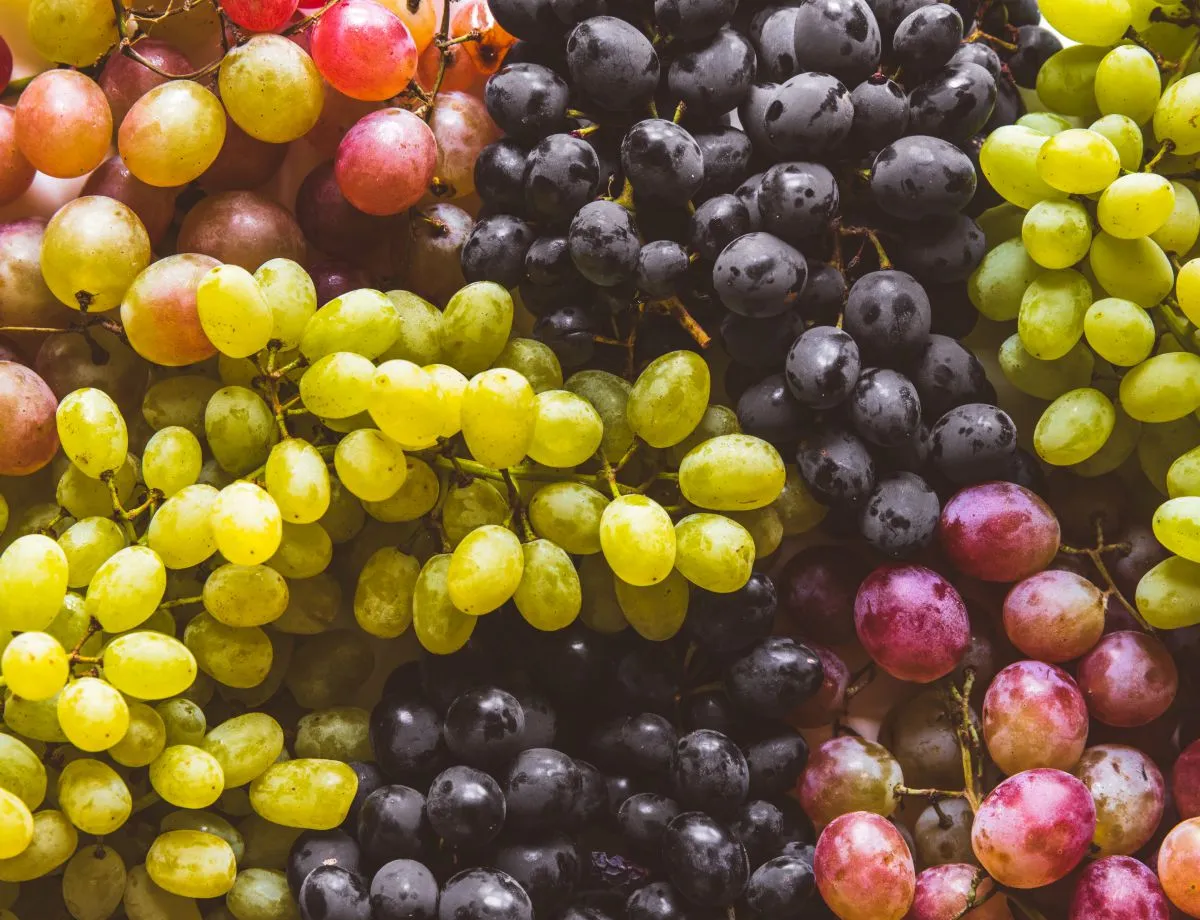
(872, 236)
(48, 528)
(93, 627)
(310, 19)
(1164, 148)
(606, 473)
(517, 508)
(442, 37)
(1178, 327)
(932, 794)
(675, 308)
(478, 470)
(1096, 555)
(180, 602)
(968, 739)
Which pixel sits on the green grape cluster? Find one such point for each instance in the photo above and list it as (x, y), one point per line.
(1094, 266)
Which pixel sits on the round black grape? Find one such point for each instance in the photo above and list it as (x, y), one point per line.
(901, 515)
(548, 868)
(533, 20)
(573, 12)
(406, 737)
(465, 807)
(392, 824)
(918, 176)
(954, 103)
(890, 13)
(321, 848)
(500, 175)
(809, 116)
(716, 223)
(759, 275)
(548, 261)
(541, 720)
(649, 740)
(603, 243)
(773, 32)
(484, 894)
(758, 342)
(726, 624)
(643, 818)
(774, 677)
(541, 788)
(662, 901)
(369, 779)
(561, 175)
(713, 710)
(592, 801)
(798, 200)
(333, 893)
(704, 861)
(880, 113)
(726, 152)
(927, 37)
(768, 410)
(662, 160)
(1035, 46)
(836, 466)
(692, 19)
(888, 314)
(752, 113)
(823, 366)
(765, 828)
(979, 53)
(495, 250)
(485, 727)
(776, 763)
(714, 77)
(884, 407)
(1023, 12)
(948, 375)
(618, 788)
(709, 772)
(782, 889)
(973, 443)
(613, 62)
(647, 680)
(404, 890)
(552, 56)
(527, 101)
(661, 266)
(838, 37)
(824, 295)
(570, 333)
(941, 248)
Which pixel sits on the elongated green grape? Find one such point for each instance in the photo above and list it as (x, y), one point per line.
(236, 656)
(298, 480)
(34, 719)
(1093, 23)
(33, 582)
(207, 822)
(93, 797)
(92, 714)
(21, 771)
(171, 460)
(549, 596)
(92, 250)
(337, 386)
(669, 398)
(475, 327)
(566, 429)
(267, 844)
(178, 401)
(383, 597)
(261, 894)
(656, 612)
(717, 420)
(1074, 426)
(292, 296)
(330, 670)
(245, 595)
(35, 666)
(407, 404)
(419, 340)
(1135, 270)
(84, 497)
(568, 513)
(733, 472)
(183, 721)
(72, 626)
(1119, 331)
(453, 385)
(1183, 477)
(246, 523)
(1168, 596)
(92, 431)
(1078, 161)
(53, 841)
(1119, 447)
(308, 792)
(533, 360)
(181, 532)
(1174, 116)
(638, 539)
(93, 883)
(149, 665)
(244, 746)
(144, 740)
(1045, 122)
(472, 505)
(765, 526)
(365, 322)
(1128, 82)
(485, 570)
(1161, 444)
(338, 733)
(600, 609)
(1164, 388)
(144, 900)
(1177, 526)
(16, 825)
(1179, 232)
(127, 588)
(441, 627)
(1057, 234)
(416, 496)
(1135, 205)
(346, 515)
(370, 464)
(1000, 223)
(714, 552)
(1008, 159)
(1050, 321)
(314, 605)
(799, 512)
(1067, 81)
(187, 776)
(191, 864)
(304, 551)
(240, 429)
(1125, 135)
(499, 412)
(233, 311)
(609, 395)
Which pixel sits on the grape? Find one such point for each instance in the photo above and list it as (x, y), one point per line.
(1170, 117)
(1054, 616)
(475, 327)
(603, 242)
(1176, 854)
(1160, 389)
(328, 220)
(732, 472)
(172, 134)
(657, 611)
(27, 416)
(1128, 790)
(703, 860)
(1181, 229)
(53, 840)
(485, 570)
(919, 176)
(863, 868)
(499, 412)
(1119, 331)
(1135, 205)
(159, 311)
(72, 33)
(261, 15)
(93, 715)
(440, 626)
(1112, 260)
(714, 552)
(488, 894)
(263, 69)
(495, 250)
(1034, 716)
(364, 50)
(527, 101)
(404, 888)
(63, 123)
(846, 775)
(1074, 427)
(386, 161)
(638, 539)
(92, 432)
(614, 61)
(998, 532)
(461, 126)
(145, 739)
(171, 460)
(191, 864)
(438, 235)
(954, 890)
(1114, 695)
(310, 793)
(465, 805)
(148, 665)
(35, 666)
(1183, 788)
(927, 37)
(93, 882)
(1115, 886)
(93, 797)
(758, 275)
(549, 595)
(242, 228)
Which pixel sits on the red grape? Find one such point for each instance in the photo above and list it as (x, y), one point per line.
(863, 868)
(331, 223)
(28, 431)
(1185, 781)
(1034, 716)
(125, 80)
(159, 311)
(16, 172)
(260, 15)
(827, 703)
(70, 361)
(332, 279)
(421, 16)
(912, 622)
(25, 299)
(244, 162)
(816, 593)
(462, 127)
(340, 114)
(1034, 828)
(1054, 615)
(6, 64)
(488, 51)
(385, 162)
(1179, 866)
(848, 774)
(438, 232)
(242, 228)
(64, 125)
(1129, 793)
(998, 531)
(154, 206)
(461, 71)
(364, 50)
(1128, 679)
(1118, 888)
(948, 892)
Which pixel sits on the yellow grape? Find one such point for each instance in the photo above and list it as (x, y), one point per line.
(1044, 122)
(172, 134)
(1052, 311)
(292, 296)
(92, 250)
(420, 330)
(304, 551)
(475, 327)
(181, 532)
(1090, 22)
(33, 582)
(16, 825)
(566, 429)
(370, 464)
(638, 539)
(93, 715)
(127, 588)
(1163, 388)
(485, 570)
(798, 511)
(1074, 427)
(533, 360)
(1135, 205)
(1175, 116)
(34, 665)
(609, 395)
(144, 900)
(1125, 135)
(1176, 526)
(93, 797)
(298, 480)
(714, 552)
(233, 311)
(441, 627)
(207, 822)
(261, 894)
(365, 322)
(1078, 161)
(1057, 234)
(309, 793)
(1119, 331)
(656, 612)
(172, 459)
(92, 431)
(192, 864)
(415, 498)
(234, 656)
(669, 398)
(453, 385)
(240, 429)
(143, 741)
(21, 771)
(472, 505)
(84, 496)
(1179, 232)
(54, 840)
(149, 665)
(87, 544)
(383, 596)
(600, 611)
(75, 32)
(1066, 83)
(187, 776)
(256, 75)
(997, 285)
(337, 385)
(183, 721)
(1187, 290)
(1009, 160)
(733, 472)
(549, 595)
(245, 746)
(93, 883)
(407, 403)
(568, 513)
(178, 401)
(245, 595)
(499, 412)
(1168, 596)
(246, 524)
(1135, 270)
(346, 515)
(1128, 82)
(338, 733)
(765, 526)
(1183, 477)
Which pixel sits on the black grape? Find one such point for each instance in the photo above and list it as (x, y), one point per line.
(562, 174)
(880, 113)
(333, 893)
(888, 314)
(495, 250)
(604, 243)
(823, 366)
(798, 200)
(713, 78)
(768, 410)
(838, 37)
(726, 152)
(809, 116)
(918, 176)
(484, 727)
(465, 807)
(716, 223)
(1035, 46)
(973, 443)
(485, 894)
(404, 890)
(612, 61)
(927, 37)
(774, 677)
(704, 861)
(759, 275)
(948, 375)
(527, 101)
(661, 266)
(884, 407)
(901, 515)
(781, 887)
(692, 19)
(954, 103)
(836, 466)
(500, 175)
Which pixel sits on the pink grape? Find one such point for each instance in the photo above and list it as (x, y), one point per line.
(260, 15)
(462, 73)
(437, 233)
(1185, 781)
(848, 774)
(1128, 679)
(242, 228)
(1054, 615)
(64, 125)
(385, 162)
(16, 172)
(69, 361)
(912, 622)
(334, 278)
(998, 531)
(330, 222)
(25, 300)
(462, 127)
(948, 892)
(1034, 828)
(817, 589)
(827, 703)
(364, 50)
(159, 311)
(154, 206)
(863, 868)
(1129, 793)
(28, 432)
(1034, 716)
(339, 115)
(125, 80)
(1118, 888)
(1179, 866)
(244, 162)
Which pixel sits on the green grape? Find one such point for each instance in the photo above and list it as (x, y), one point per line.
(37, 720)
(35, 666)
(161, 621)
(236, 656)
(656, 612)
(237, 372)
(1119, 447)
(313, 606)
(298, 480)
(638, 539)
(92, 250)
(127, 588)
(1057, 234)
(202, 690)
(246, 523)
(733, 472)
(192, 864)
(292, 296)
(339, 733)
(330, 670)
(714, 552)
(244, 746)
(1187, 290)
(172, 459)
(485, 570)
(415, 498)
(92, 432)
(233, 312)
(149, 665)
(499, 412)
(75, 32)
(609, 395)
(282, 645)
(798, 511)
(337, 385)
(1044, 122)
(1175, 116)
(370, 465)
(569, 513)
(1135, 270)
(549, 596)
(1067, 81)
(1128, 83)
(1078, 161)
(183, 721)
(1136, 205)
(93, 883)
(257, 74)
(87, 544)
(1009, 160)
(1119, 331)
(419, 340)
(1168, 596)
(1090, 22)
(407, 404)
(566, 430)
(1125, 135)
(92, 713)
(475, 327)
(1179, 232)
(1163, 388)
(206, 822)
(85, 497)
(16, 826)
(441, 627)
(1050, 321)
(240, 429)
(187, 776)
(717, 420)
(600, 610)
(533, 360)
(181, 531)
(53, 842)
(144, 900)
(245, 595)
(1177, 526)
(21, 771)
(1045, 379)
(1074, 427)
(1161, 444)
(669, 398)
(472, 505)
(261, 894)
(345, 517)
(304, 551)
(172, 134)
(178, 401)
(267, 844)
(309, 793)
(453, 385)
(1183, 477)
(365, 322)
(1000, 223)
(144, 740)
(765, 526)
(93, 797)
